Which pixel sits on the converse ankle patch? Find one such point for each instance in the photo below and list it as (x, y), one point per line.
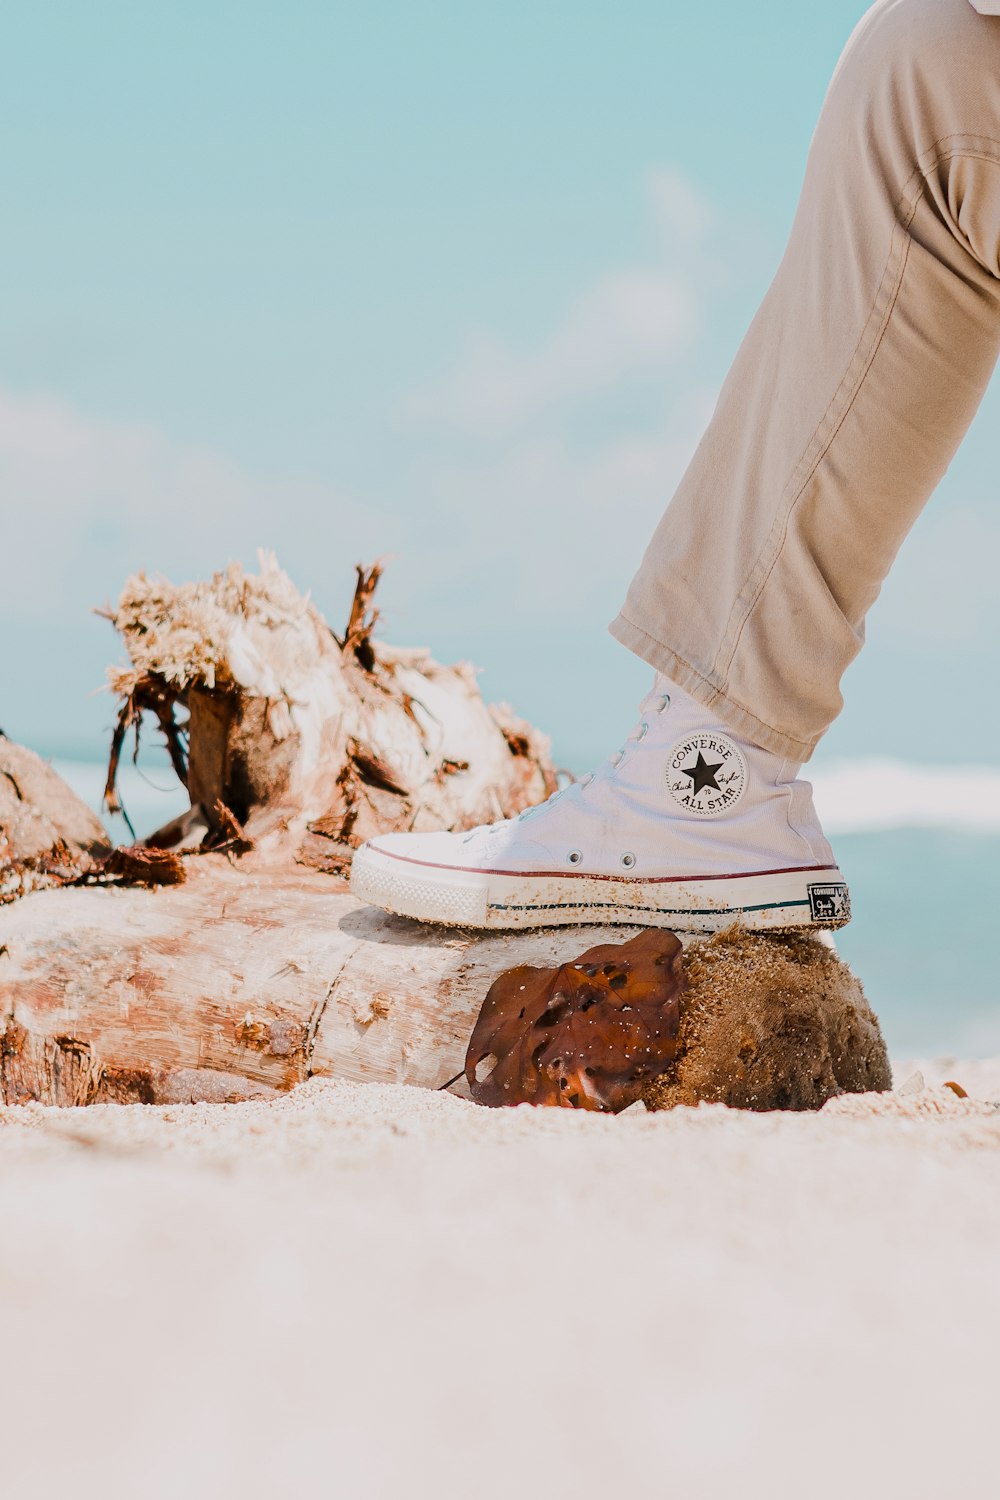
(706, 774)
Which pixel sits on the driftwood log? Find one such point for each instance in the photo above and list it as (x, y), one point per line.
(228, 960)
(47, 836)
(235, 983)
(295, 744)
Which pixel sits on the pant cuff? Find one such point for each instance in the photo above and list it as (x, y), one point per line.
(706, 692)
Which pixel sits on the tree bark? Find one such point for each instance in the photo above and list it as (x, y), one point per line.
(266, 978)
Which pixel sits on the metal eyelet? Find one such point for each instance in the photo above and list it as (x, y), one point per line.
(617, 759)
(628, 859)
(664, 703)
(643, 731)
(587, 779)
(574, 856)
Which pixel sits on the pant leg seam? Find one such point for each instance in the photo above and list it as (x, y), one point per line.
(778, 548)
(903, 220)
(776, 540)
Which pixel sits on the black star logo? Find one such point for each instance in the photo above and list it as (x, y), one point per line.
(702, 775)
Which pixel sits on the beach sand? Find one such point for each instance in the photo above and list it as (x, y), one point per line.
(378, 1291)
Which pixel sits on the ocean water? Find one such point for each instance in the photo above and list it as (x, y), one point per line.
(920, 847)
(924, 903)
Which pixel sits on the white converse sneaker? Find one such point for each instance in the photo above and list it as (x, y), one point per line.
(688, 826)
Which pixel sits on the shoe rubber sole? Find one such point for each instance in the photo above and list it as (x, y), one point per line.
(492, 899)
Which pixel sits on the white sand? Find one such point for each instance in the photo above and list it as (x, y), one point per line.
(376, 1291)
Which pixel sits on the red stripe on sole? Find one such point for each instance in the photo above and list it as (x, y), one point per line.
(428, 864)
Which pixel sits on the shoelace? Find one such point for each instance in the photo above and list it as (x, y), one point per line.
(656, 702)
(639, 731)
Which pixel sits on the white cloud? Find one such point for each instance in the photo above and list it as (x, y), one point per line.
(647, 465)
(523, 501)
(877, 794)
(87, 500)
(550, 527)
(943, 590)
(561, 521)
(631, 322)
(682, 215)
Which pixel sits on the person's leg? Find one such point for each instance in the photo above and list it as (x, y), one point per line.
(855, 385)
(849, 396)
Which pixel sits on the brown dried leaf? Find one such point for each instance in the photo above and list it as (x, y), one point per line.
(374, 769)
(138, 866)
(228, 833)
(588, 1035)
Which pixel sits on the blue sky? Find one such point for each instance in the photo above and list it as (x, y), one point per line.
(453, 283)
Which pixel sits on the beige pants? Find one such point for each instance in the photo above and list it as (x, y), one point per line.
(853, 388)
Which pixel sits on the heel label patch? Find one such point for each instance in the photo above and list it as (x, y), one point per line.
(830, 903)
